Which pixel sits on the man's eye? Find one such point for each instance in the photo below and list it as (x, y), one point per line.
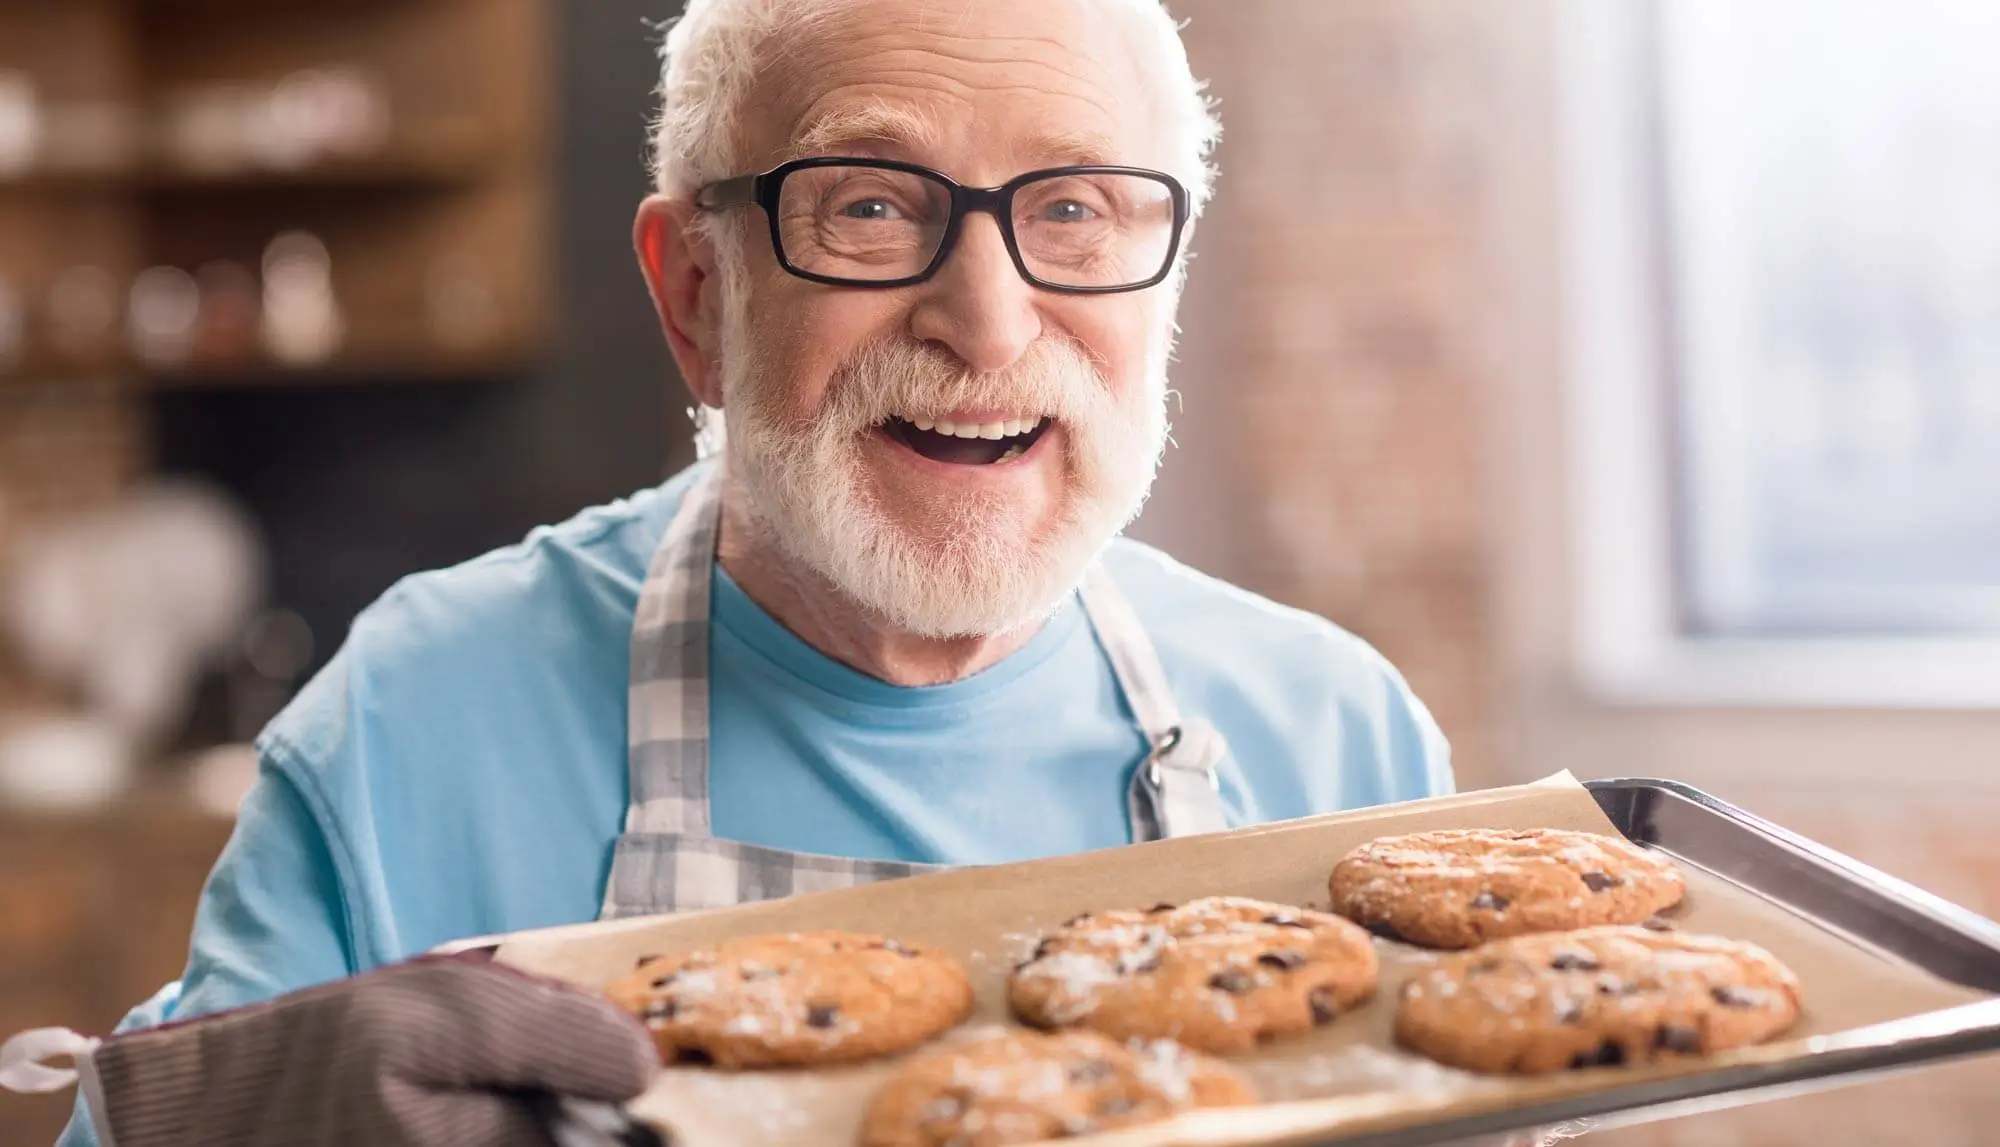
(872, 210)
(1068, 211)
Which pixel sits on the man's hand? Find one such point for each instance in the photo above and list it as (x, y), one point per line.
(431, 1052)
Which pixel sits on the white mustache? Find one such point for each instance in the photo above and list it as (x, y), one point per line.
(1053, 379)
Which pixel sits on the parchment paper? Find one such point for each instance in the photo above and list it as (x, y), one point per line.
(1347, 1077)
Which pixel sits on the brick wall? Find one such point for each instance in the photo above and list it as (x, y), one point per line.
(1332, 325)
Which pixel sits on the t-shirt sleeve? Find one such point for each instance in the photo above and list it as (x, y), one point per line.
(1428, 772)
(1409, 754)
(270, 920)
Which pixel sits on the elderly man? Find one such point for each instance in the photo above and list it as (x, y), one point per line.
(918, 261)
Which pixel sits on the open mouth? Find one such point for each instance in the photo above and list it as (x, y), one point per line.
(967, 445)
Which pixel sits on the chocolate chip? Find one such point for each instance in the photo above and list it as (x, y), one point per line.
(1674, 1038)
(665, 980)
(1599, 881)
(660, 1010)
(1490, 902)
(644, 960)
(1151, 963)
(1230, 980)
(1658, 924)
(1613, 986)
(1286, 960)
(1325, 1009)
(1610, 1053)
(822, 1015)
(1042, 949)
(1288, 922)
(1387, 932)
(693, 1055)
(1730, 997)
(1076, 919)
(1162, 906)
(1089, 1072)
(1572, 961)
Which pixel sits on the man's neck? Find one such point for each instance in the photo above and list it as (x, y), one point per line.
(804, 603)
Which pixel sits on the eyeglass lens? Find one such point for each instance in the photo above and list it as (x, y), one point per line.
(871, 224)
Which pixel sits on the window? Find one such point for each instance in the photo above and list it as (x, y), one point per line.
(1784, 313)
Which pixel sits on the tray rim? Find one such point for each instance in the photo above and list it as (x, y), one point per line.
(1967, 924)
(1833, 1061)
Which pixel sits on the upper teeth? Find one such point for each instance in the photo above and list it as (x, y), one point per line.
(993, 431)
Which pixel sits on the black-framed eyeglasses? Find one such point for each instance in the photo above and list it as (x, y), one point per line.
(1085, 230)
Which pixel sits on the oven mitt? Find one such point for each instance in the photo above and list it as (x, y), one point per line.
(435, 1051)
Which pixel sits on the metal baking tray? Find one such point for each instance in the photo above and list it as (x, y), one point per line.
(1870, 908)
(1888, 915)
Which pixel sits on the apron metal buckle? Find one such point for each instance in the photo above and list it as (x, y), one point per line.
(1167, 743)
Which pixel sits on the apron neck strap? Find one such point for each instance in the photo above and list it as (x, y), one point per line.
(667, 714)
(1177, 789)
(1134, 662)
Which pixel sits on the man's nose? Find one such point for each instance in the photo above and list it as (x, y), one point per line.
(978, 305)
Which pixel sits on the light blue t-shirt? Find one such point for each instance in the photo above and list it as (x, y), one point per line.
(459, 767)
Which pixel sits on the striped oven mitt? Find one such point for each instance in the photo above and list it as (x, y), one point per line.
(432, 1052)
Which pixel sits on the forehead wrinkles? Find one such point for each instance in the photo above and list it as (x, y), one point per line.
(943, 72)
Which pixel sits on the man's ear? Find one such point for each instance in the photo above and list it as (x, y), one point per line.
(679, 267)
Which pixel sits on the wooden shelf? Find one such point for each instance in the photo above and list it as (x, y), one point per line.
(438, 369)
(458, 192)
(439, 157)
(40, 367)
(393, 170)
(246, 9)
(413, 364)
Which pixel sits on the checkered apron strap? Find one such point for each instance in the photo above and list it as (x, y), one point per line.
(668, 859)
(668, 710)
(1177, 789)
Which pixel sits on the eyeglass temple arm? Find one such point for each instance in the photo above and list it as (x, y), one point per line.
(728, 193)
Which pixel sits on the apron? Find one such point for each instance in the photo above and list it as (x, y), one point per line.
(668, 859)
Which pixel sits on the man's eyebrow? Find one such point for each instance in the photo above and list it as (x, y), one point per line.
(1058, 148)
(879, 125)
(885, 126)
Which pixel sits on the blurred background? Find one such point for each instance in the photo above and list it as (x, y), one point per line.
(1628, 372)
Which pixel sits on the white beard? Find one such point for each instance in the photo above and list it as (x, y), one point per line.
(984, 569)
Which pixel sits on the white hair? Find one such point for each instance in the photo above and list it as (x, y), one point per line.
(714, 50)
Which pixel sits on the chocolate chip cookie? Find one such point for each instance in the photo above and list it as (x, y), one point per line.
(1597, 997)
(1025, 1087)
(1219, 974)
(1461, 887)
(803, 998)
